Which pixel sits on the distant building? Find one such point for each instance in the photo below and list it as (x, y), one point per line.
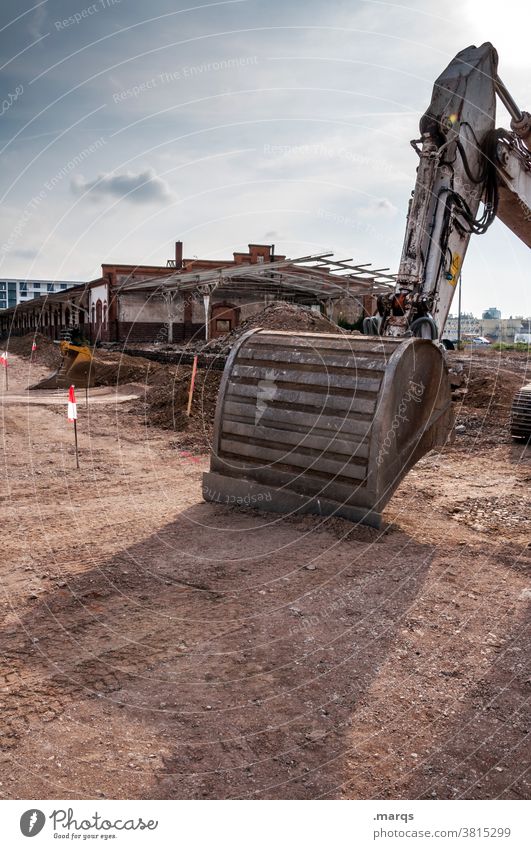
(495, 329)
(18, 290)
(503, 329)
(193, 298)
(470, 326)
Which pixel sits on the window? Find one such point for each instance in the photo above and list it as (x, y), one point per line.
(23, 288)
(63, 286)
(36, 285)
(49, 287)
(223, 325)
(2, 287)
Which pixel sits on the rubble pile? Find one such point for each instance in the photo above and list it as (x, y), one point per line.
(483, 391)
(276, 316)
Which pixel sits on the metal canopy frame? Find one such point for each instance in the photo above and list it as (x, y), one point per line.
(317, 274)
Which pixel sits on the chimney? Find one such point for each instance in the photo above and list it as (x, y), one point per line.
(178, 254)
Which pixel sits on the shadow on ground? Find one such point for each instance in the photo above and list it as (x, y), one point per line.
(215, 659)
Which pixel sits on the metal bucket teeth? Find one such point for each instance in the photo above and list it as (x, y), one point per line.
(521, 413)
(325, 423)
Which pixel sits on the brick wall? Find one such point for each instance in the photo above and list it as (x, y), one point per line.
(151, 331)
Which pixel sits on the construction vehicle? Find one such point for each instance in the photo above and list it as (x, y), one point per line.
(330, 424)
(521, 414)
(76, 367)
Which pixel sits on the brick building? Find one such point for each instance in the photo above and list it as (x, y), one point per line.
(193, 298)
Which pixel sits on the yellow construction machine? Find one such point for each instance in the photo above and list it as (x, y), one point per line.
(76, 368)
(330, 424)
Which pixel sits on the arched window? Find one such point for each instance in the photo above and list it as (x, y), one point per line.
(105, 314)
(98, 311)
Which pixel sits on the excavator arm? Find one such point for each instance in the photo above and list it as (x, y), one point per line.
(514, 186)
(469, 172)
(331, 423)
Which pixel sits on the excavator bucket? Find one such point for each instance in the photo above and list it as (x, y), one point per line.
(325, 423)
(76, 368)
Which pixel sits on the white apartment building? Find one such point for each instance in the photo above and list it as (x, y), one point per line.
(470, 326)
(15, 290)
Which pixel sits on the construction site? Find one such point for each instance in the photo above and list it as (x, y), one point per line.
(157, 646)
(266, 530)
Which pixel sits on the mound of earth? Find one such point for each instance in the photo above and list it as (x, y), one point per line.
(47, 352)
(166, 405)
(114, 368)
(165, 393)
(484, 402)
(276, 316)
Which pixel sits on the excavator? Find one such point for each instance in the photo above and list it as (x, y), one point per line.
(329, 424)
(76, 367)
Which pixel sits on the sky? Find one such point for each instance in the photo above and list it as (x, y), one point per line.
(127, 125)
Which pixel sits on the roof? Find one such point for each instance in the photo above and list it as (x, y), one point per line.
(316, 274)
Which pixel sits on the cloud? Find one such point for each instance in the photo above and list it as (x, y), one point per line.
(36, 22)
(144, 187)
(380, 207)
(25, 253)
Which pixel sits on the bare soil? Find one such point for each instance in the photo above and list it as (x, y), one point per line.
(154, 646)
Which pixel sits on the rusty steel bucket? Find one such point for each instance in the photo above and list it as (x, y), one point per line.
(325, 423)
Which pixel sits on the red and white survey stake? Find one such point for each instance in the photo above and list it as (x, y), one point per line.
(3, 362)
(72, 405)
(72, 417)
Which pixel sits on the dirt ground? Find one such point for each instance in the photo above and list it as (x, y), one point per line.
(154, 646)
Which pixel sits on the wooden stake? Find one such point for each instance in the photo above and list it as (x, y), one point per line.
(75, 437)
(192, 383)
(7, 381)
